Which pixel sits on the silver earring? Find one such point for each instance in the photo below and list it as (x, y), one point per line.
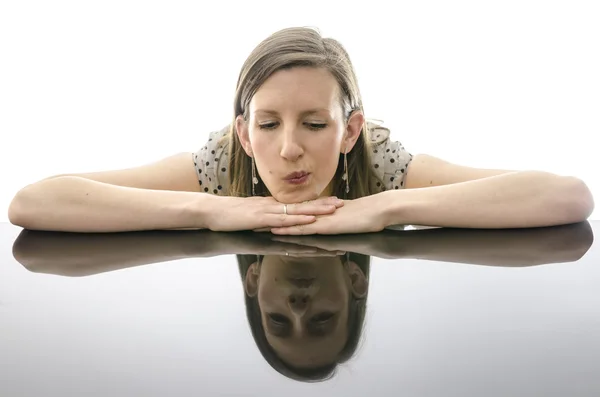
(254, 178)
(345, 174)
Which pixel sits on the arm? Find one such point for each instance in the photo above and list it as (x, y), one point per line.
(438, 193)
(76, 204)
(528, 247)
(161, 195)
(85, 254)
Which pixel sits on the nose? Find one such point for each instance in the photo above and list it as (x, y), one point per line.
(298, 303)
(290, 147)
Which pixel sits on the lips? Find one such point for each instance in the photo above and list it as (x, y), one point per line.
(302, 282)
(295, 175)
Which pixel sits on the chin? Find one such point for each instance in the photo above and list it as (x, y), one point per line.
(297, 196)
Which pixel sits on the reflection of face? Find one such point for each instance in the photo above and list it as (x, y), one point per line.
(286, 137)
(304, 306)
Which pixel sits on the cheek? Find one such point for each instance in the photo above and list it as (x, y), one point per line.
(335, 288)
(268, 292)
(337, 291)
(265, 152)
(260, 143)
(325, 147)
(327, 154)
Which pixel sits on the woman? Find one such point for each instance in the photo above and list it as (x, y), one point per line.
(298, 139)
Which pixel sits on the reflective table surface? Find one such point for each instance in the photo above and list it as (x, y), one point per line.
(433, 312)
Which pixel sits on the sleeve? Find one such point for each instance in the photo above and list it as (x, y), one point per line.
(390, 158)
(211, 162)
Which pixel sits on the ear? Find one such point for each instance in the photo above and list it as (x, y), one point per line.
(241, 128)
(353, 130)
(359, 285)
(251, 280)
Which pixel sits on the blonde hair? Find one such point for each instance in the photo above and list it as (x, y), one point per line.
(301, 47)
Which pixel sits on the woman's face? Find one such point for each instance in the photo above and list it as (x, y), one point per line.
(304, 305)
(296, 132)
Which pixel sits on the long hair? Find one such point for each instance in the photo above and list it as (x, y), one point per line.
(356, 318)
(301, 47)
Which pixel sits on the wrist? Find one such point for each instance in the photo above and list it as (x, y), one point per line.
(395, 207)
(199, 209)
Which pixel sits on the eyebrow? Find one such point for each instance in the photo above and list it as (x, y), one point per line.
(304, 113)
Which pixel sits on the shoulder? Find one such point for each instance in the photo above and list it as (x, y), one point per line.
(211, 162)
(389, 157)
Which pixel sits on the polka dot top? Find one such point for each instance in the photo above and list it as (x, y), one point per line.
(390, 160)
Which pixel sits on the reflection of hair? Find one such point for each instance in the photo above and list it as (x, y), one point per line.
(356, 318)
(285, 49)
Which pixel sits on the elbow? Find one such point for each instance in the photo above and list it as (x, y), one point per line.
(15, 213)
(580, 203)
(19, 211)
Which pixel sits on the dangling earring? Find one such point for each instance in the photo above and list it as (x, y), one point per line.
(345, 174)
(254, 178)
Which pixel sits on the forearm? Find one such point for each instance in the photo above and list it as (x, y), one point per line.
(519, 199)
(528, 247)
(84, 254)
(76, 204)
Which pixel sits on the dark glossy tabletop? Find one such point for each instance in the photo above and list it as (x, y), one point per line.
(448, 313)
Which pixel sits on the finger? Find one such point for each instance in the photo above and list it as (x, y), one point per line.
(314, 251)
(310, 254)
(311, 209)
(307, 240)
(283, 220)
(319, 207)
(292, 250)
(322, 206)
(297, 230)
(310, 240)
(313, 241)
(319, 253)
(264, 229)
(331, 200)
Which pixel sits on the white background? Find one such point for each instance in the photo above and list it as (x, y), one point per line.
(101, 85)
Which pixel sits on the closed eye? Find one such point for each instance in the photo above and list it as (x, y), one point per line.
(267, 126)
(311, 126)
(322, 318)
(317, 126)
(278, 319)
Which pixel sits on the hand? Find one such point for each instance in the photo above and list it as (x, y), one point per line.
(250, 213)
(528, 246)
(246, 245)
(388, 245)
(363, 215)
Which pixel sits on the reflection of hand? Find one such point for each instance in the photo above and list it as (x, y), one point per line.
(79, 254)
(528, 247)
(250, 213)
(82, 254)
(361, 215)
(368, 244)
(261, 244)
(296, 250)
